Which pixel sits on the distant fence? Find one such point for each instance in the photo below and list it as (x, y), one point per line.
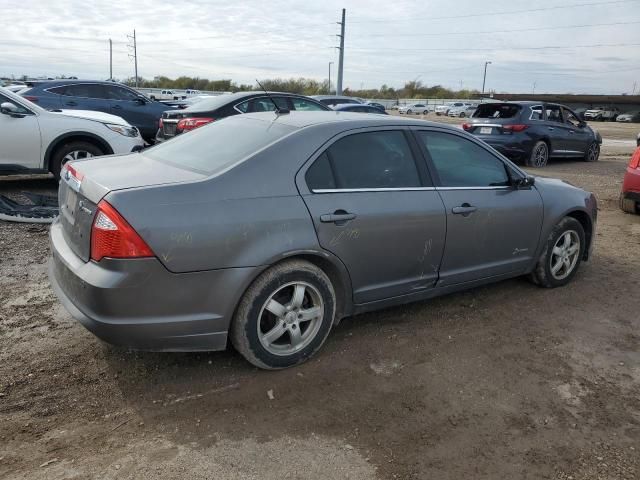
(431, 103)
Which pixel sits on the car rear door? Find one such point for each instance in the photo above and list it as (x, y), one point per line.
(85, 96)
(493, 228)
(374, 207)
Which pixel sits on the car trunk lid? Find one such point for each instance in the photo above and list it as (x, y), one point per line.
(84, 183)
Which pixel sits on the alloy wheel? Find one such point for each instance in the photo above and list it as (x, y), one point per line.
(290, 318)
(592, 155)
(76, 155)
(540, 155)
(564, 256)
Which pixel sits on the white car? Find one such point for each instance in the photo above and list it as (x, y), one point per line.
(192, 93)
(444, 109)
(415, 108)
(462, 112)
(34, 140)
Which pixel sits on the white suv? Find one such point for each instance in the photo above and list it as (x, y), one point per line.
(444, 109)
(34, 140)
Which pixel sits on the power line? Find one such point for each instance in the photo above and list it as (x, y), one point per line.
(491, 14)
(499, 31)
(492, 49)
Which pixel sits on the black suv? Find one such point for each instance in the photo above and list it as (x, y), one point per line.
(533, 132)
(175, 122)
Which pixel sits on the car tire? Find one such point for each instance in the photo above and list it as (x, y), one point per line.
(462, 115)
(409, 112)
(559, 263)
(628, 205)
(74, 150)
(539, 155)
(593, 152)
(280, 287)
(426, 112)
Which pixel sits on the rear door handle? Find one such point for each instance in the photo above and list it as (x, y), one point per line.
(338, 217)
(464, 209)
(71, 104)
(117, 107)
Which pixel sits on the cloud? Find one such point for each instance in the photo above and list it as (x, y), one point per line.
(386, 42)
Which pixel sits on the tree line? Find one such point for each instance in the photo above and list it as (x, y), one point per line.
(304, 86)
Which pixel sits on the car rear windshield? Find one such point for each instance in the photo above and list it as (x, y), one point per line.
(217, 146)
(497, 110)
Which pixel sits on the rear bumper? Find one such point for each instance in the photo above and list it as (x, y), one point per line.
(510, 147)
(140, 305)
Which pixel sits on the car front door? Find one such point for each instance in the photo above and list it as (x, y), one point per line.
(133, 108)
(83, 96)
(557, 130)
(374, 207)
(20, 140)
(493, 228)
(579, 137)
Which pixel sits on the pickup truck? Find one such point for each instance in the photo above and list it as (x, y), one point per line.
(602, 114)
(167, 95)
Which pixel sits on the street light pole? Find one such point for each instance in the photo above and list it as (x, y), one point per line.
(484, 80)
(330, 63)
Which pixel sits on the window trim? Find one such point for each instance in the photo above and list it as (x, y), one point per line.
(511, 169)
(418, 159)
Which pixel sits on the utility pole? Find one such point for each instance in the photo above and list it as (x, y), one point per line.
(330, 63)
(635, 84)
(484, 80)
(110, 60)
(135, 53)
(533, 90)
(341, 58)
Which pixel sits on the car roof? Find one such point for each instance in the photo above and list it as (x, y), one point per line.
(217, 101)
(302, 119)
(324, 97)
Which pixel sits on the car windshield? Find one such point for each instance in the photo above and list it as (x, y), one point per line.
(497, 110)
(219, 145)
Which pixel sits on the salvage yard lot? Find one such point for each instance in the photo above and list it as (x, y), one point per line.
(504, 381)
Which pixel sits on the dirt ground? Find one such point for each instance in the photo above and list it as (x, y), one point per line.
(508, 381)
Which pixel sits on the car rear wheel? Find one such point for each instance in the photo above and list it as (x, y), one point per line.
(425, 112)
(72, 151)
(462, 115)
(628, 205)
(562, 254)
(593, 153)
(285, 316)
(539, 155)
(409, 112)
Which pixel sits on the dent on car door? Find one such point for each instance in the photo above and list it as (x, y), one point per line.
(20, 139)
(492, 228)
(375, 208)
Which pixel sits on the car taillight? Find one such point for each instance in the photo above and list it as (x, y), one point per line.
(635, 159)
(112, 236)
(31, 98)
(190, 123)
(467, 126)
(160, 124)
(515, 128)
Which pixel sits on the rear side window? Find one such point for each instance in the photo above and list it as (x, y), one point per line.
(536, 113)
(219, 145)
(364, 161)
(81, 90)
(497, 110)
(305, 105)
(461, 163)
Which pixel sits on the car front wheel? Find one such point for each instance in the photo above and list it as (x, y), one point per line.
(593, 152)
(285, 316)
(72, 151)
(561, 256)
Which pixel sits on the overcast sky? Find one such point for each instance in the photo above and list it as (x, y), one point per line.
(387, 42)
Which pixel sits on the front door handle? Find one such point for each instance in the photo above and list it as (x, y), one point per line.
(339, 217)
(71, 104)
(117, 107)
(464, 209)
(550, 128)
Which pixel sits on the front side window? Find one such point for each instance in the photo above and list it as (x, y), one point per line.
(461, 163)
(305, 105)
(554, 113)
(571, 119)
(118, 93)
(364, 161)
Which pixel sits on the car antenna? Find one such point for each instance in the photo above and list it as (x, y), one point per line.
(278, 110)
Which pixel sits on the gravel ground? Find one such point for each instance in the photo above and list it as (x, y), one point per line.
(506, 381)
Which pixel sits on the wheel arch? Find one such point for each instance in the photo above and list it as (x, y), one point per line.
(587, 225)
(75, 137)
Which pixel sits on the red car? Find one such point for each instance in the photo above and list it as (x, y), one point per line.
(630, 196)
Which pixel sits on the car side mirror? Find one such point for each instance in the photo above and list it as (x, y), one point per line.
(141, 101)
(8, 108)
(524, 183)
